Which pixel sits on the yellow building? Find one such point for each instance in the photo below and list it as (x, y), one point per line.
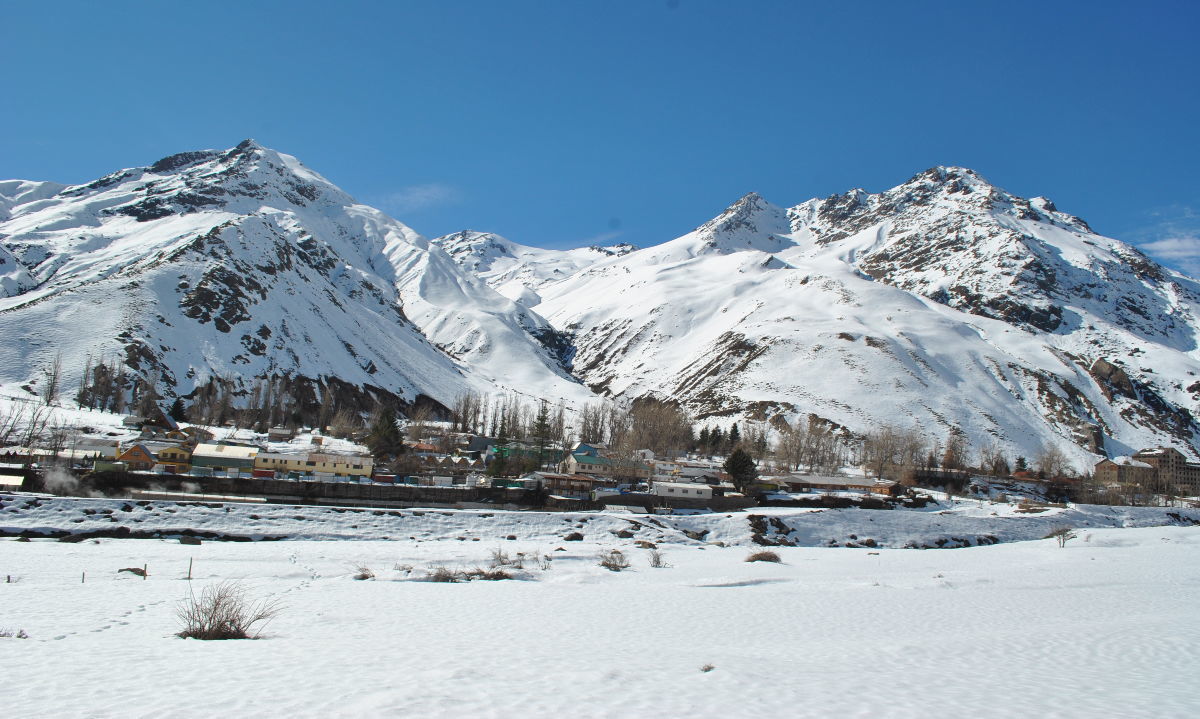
(177, 460)
(339, 465)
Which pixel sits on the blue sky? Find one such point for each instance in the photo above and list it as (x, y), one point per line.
(566, 123)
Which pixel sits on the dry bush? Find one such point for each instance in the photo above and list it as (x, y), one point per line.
(398, 567)
(766, 556)
(445, 574)
(491, 575)
(657, 561)
(613, 560)
(707, 668)
(224, 612)
(10, 634)
(362, 572)
(500, 558)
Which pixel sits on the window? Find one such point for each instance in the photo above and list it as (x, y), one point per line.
(310, 464)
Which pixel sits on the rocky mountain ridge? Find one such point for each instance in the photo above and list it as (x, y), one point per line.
(243, 265)
(943, 303)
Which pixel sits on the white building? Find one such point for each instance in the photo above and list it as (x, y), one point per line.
(685, 490)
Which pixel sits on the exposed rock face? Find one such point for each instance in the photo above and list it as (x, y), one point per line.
(943, 303)
(246, 267)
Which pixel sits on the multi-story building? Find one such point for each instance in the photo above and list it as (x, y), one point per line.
(1162, 469)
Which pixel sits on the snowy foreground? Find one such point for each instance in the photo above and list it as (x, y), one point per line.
(1105, 627)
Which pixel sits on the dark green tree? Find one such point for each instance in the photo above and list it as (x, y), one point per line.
(541, 433)
(735, 436)
(385, 439)
(741, 468)
(703, 441)
(177, 412)
(1021, 465)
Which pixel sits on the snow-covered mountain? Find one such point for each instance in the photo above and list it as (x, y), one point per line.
(518, 271)
(245, 264)
(942, 303)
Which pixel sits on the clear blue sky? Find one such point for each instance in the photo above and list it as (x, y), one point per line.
(564, 123)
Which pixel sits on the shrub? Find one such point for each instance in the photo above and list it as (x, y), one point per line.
(362, 572)
(500, 558)
(613, 560)
(766, 556)
(10, 634)
(1062, 534)
(445, 574)
(491, 575)
(573, 537)
(656, 560)
(223, 612)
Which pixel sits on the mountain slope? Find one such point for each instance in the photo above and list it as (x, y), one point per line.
(942, 303)
(245, 264)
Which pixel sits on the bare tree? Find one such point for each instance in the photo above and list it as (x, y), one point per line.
(53, 380)
(1052, 461)
(418, 422)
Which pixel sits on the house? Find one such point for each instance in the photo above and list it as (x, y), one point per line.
(224, 457)
(684, 490)
(99, 448)
(174, 459)
(304, 463)
(137, 458)
(815, 483)
(280, 434)
(576, 486)
(582, 463)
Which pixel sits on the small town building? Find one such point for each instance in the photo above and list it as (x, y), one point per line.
(137, 458)
(683, 490)
(224, 457)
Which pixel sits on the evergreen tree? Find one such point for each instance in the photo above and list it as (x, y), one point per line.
(177, 411)
(1021, 465)
(735, 436)
(716, 440)
(703, 442)
(541, 433)
(385, 439)
(740, 467)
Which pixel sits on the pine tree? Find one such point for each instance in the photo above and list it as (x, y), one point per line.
(703, 441)
(740, 467)
(541, 432)
(1021, 465)
(177, 412)
(735, 436)
(385, 439)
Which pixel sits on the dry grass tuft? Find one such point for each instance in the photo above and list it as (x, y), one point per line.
(613, 560)
(223, 611)
(766, 556)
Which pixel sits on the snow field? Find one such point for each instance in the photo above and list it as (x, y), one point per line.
(1103, 628)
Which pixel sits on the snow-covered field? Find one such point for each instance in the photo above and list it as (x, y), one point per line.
(1105, 627)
